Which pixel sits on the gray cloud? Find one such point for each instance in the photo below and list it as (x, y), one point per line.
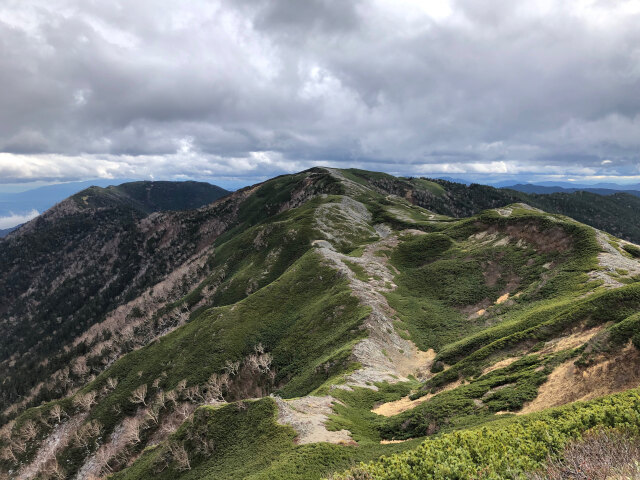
(249, 87)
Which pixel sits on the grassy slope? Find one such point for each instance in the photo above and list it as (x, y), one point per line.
(544, 310)
(439, 275)
(248, 443)
(507, 449)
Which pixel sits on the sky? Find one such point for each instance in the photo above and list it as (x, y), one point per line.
(242, 90)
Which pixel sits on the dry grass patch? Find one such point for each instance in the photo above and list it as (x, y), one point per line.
(574, 340)
(501, 364)
(390, 409)
(568, 383)
(600, 455)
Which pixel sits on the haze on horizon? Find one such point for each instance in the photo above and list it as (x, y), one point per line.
(243, 90)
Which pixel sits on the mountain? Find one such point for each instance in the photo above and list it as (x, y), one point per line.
(80, 259)
(6, 231)
(574, 186)
(298, 327)
(147, 197)
(531, 188)
(43, 198)
(162, 195)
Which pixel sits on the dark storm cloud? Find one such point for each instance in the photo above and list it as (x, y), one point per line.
(239, 87)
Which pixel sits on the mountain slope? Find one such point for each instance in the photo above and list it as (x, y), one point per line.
(616, 214)
(64, 270)
(372, 321)
(148, 197)
(541, 189)
(6, 231)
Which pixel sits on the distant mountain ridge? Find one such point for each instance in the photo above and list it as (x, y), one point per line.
(541, 189)
(152, 196)
(6, 231)
(43, 198)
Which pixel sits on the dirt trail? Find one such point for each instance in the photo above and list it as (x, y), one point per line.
(394, 408)
(384, 355)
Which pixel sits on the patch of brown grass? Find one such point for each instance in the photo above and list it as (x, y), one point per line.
(600, 455)
(501, 364)
(390, 409)
(568, 383)
(389, 442)
(574, 340)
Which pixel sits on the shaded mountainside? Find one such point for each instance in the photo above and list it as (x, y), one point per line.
(300, 326)
(532, 188)
(147, 197)
(7, 231)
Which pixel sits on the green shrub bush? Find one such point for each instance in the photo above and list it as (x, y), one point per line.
(507, 450)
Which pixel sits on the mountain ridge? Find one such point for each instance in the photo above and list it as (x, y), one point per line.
(313, 301)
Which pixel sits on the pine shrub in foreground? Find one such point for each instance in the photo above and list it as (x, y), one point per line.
(505, 451)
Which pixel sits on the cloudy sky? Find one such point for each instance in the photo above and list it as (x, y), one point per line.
(246, 89)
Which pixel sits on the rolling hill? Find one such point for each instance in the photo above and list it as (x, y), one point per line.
(299, 327)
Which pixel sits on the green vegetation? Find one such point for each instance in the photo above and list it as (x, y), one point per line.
(506, 449)
(358, 270)
(264, 313)
(243, 441)
(302, 322)
(632, 249)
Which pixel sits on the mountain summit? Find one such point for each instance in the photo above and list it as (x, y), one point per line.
(295, 328)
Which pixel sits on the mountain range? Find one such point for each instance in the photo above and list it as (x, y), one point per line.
(338, 324)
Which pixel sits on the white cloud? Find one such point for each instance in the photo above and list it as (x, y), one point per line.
(269, 86)
(16, 219)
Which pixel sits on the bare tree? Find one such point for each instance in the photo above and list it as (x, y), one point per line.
(103, 457)
(83, 436)
(260, 362)
(18, 446)
(53, 470)
(5, 430)
(56, 413)
(80, 367)
(29, 431)
(183, 410)
(112, 383)
(8, 454)
(599, 455)
(160, 400)
(139, 395)
(132, 431)
(264, 362)
(172, 396)
(232, 367)
(180, 456)
(153, 413)
(193, 394)
(85, 402)
(215, 387)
